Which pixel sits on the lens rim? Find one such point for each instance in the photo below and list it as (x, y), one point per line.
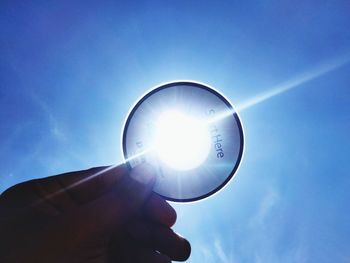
(201, 86)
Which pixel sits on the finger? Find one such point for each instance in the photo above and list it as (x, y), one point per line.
(36, 195)
(160, 238)
(21, 198)
(65, 190)
(111, 211)
(84, 186)
(159, 211)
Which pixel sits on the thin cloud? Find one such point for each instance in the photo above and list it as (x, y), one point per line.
(206, 255)
(220, 252)
(270, 199)
(54, 126)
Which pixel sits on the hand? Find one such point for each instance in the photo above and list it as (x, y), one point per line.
(104, 214)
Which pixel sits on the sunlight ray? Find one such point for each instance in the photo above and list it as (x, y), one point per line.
(285, 86)
(138, 155)
(297, 81)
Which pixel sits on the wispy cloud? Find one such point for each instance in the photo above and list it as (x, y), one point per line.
(220, 252)
(270, 199)
(213, 250)
(206, 255)
(55, 129)
(300, 251)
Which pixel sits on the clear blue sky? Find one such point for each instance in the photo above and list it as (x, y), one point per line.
(70, 72)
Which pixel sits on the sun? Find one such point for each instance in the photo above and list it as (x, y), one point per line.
(182, 142)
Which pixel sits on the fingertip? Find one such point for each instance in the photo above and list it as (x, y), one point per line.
(187, 250)
(184, 251)
(144, 174)
(172, 244)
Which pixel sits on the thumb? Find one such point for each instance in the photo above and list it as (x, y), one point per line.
(112, 210)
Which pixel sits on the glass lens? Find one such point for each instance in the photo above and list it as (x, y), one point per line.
(190, 133)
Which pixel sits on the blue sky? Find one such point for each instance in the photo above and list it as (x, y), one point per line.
(70, 72)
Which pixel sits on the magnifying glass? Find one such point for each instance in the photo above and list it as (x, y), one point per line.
(190, 133)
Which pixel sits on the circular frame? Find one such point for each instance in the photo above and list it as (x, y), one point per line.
(201, 86)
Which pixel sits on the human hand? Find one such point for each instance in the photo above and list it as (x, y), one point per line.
(104, 214)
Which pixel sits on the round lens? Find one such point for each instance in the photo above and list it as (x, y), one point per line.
(190, 133)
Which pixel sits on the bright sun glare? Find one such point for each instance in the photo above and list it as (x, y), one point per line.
(182, 142)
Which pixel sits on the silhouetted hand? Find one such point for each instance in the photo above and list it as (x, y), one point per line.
(104, 214)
